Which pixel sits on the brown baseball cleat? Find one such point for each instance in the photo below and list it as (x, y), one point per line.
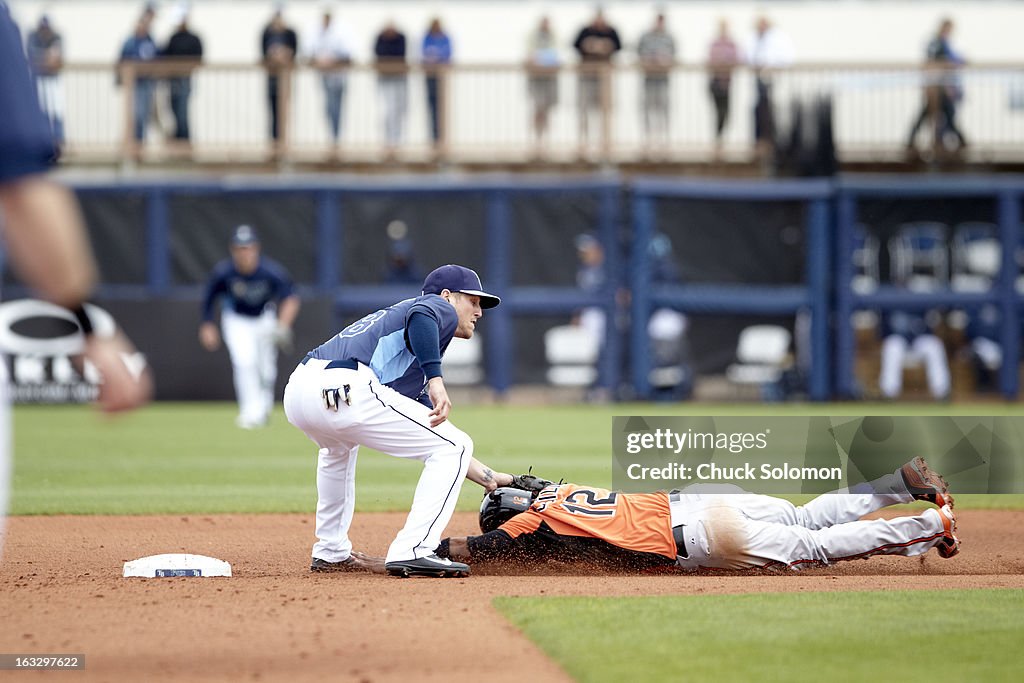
(949, 544)
(924, 484)
(356, 562)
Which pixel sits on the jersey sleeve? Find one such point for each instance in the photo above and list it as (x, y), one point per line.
(500, 546)
(423, 339)
(523, 523)
(216, 286)
(283, 285)
(494, 545)
(438, 309)
(26, 143)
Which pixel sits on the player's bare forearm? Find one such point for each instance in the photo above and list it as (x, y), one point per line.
(121, 387)
(209, 336)
(458, 549)
(486, 477)
(439, 399)
(288, 311)
(47, 240)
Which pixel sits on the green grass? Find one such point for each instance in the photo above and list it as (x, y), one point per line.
(961, 635)
(190, 458)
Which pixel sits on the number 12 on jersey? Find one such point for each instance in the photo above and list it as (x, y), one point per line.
(579, 501)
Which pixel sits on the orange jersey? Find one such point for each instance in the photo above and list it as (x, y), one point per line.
(640, 522)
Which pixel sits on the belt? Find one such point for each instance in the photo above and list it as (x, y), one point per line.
(347, 364)
(680, 539)
(677, 531)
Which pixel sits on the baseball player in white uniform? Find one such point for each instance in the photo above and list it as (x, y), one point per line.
(259, 309)
(378, 383)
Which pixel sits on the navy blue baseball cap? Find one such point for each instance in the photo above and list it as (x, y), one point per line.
(458, 279)
(243, 236)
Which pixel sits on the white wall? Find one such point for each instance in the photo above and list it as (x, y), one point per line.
(495, 30)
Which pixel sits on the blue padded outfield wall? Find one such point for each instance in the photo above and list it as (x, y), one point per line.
(743, 251)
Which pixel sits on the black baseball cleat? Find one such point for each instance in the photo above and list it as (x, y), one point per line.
(431, 565)
(924, 484)
(356, 562)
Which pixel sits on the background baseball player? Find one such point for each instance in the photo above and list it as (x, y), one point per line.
(45, 238)
(378, 383)
(258, 310)
(692, 531)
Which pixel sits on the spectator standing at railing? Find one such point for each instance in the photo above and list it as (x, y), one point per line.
(140, 48)
(943, 90)
(45, 51)
(436, 53)
(542, 65)
(392, 81)
(723, 56)
(596, 43)
(657, 53)
(279, 46)
(186, 48)
(328, 48)
(771, 49)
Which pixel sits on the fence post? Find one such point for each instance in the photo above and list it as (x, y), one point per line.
(329, 238)
(500, 330)
(604, 73)
(817, 276)
(284, 98)
(640, 284)
(846, 217)
(1009, 231)
(443, 113)
(608, 223)
(158, 250)
(129, 146)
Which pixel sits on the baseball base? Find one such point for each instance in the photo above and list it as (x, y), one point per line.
(176, 564)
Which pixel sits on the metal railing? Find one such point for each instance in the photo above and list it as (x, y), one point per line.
(487, 116)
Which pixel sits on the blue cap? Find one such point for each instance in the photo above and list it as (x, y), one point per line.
(585, 240)
(458, 279)
(243, 236)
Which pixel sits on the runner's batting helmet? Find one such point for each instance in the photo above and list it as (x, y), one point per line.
(501, 505)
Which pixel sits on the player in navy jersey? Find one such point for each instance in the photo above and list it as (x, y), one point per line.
(258, 309)
(45, 239)
(378, 383)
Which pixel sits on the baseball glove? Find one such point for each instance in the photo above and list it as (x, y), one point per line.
(529, 482)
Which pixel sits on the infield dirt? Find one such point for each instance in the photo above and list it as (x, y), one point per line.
(61, 591)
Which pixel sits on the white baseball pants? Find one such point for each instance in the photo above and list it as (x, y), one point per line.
(744, 530)
(385, 420)
(927, 348)
(250, 342)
